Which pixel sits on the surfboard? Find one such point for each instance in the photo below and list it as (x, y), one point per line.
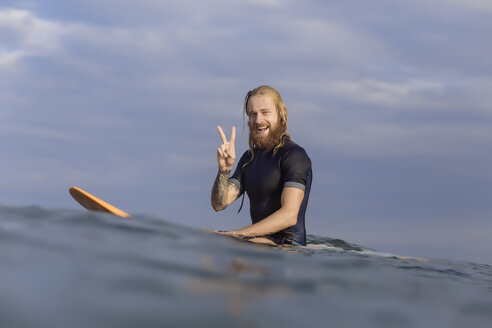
(92, 203)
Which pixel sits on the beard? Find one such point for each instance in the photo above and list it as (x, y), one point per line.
(269, 141)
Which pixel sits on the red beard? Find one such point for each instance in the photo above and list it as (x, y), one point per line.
(266, 142)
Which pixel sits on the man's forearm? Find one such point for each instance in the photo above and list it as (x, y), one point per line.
(284, 217)
(277, 221)
(220, 190)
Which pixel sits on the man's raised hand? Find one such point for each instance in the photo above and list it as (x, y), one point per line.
(226, 154)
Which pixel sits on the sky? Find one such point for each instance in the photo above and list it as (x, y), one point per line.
(390, 99)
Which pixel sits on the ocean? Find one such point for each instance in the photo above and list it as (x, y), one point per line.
(74, 268)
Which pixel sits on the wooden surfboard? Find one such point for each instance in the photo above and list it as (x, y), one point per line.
(92, 203)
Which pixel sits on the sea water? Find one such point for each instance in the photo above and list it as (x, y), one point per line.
(70, 268)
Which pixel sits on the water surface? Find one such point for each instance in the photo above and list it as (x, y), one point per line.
(70, 268)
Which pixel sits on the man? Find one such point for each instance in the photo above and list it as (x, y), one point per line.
(275, 172)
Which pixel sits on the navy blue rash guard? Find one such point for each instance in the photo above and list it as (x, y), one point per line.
(264, 179)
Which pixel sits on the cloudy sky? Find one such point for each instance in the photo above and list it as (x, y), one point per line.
(392, 101)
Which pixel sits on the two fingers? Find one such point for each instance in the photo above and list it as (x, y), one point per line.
(223, 136)
(224, 150)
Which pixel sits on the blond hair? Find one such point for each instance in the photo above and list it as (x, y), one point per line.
(265, 90)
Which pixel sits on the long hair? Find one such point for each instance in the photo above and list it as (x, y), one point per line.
(265, 90)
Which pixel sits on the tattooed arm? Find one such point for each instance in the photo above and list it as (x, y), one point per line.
(223, 191)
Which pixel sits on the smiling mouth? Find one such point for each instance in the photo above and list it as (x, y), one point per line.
(262, 129)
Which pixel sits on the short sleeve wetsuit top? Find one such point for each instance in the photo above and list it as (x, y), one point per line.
(264, 179)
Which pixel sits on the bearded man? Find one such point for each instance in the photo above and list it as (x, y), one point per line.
(275, 173)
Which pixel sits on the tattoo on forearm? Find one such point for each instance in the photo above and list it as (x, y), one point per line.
(220, 187)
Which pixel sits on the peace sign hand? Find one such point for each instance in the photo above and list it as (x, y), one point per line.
(226, 155)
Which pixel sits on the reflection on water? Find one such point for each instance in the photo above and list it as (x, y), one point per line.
(239, 287)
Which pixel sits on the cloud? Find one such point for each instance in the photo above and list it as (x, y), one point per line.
(385, 93)
(479, 6)
(24, 34)
(7, 59)
(328, 40)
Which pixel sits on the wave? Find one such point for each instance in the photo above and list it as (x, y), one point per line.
(76, 268)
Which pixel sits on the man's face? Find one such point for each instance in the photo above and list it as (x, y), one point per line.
(263, 121)
(262, 114)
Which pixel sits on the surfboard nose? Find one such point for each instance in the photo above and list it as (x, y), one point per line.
(92, 203)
